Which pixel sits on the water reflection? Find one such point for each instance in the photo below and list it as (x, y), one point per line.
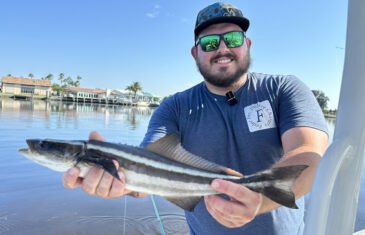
(68, 111)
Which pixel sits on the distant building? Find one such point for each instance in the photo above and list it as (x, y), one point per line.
(80, 92)
(138, 97)
(19, 86)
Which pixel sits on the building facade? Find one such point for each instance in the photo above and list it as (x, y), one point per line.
(26, 86)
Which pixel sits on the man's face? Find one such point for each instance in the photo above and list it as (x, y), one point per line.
(224, 66)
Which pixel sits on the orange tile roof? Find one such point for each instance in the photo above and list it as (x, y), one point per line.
(86, 90)
(26, 81)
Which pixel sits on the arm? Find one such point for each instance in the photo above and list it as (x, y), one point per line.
(302, 145)
(97, 182)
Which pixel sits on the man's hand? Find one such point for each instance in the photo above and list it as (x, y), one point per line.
(241, 209)
(97, 181)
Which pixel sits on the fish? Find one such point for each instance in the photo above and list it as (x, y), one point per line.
(163, 168)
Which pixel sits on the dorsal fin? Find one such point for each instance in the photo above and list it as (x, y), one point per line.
(170, 147)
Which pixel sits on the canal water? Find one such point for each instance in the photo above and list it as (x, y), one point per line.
(32, 198)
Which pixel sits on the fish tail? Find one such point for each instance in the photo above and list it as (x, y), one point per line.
(276, 183)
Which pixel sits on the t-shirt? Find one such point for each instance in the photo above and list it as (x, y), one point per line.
(245, 137)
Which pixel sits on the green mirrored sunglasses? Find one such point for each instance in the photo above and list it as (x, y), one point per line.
(211, 42)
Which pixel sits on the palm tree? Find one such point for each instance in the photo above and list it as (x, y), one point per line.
(134, 87)
(77, 82)
(49, 77)
(68, 81)
(61, 78)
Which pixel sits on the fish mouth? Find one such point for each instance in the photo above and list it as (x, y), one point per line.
(24, 150)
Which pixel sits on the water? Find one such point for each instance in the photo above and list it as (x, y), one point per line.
(32, 198)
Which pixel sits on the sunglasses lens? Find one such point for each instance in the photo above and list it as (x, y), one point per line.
(210, 42)
(233, 39)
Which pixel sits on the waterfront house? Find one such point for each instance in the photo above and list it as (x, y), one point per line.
(87, 93)
(139, 97)
(26, 86)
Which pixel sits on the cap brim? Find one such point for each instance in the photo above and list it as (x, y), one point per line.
(242, 22)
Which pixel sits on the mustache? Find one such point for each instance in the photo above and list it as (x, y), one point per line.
(229, 55)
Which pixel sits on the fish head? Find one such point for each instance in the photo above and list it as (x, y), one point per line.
(58, 155)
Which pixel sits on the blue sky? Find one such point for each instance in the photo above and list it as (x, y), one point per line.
(113, 43)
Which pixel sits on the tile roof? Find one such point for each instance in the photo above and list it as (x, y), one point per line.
(26, 81)
(86, 90)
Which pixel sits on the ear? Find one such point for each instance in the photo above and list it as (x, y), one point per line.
(248, 42)
(193, 51)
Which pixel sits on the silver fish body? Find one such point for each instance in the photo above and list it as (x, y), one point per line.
(164, 168)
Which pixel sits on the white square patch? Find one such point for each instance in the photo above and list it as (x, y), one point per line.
(259, 116)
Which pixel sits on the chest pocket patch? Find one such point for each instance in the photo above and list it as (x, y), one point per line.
(259, 116)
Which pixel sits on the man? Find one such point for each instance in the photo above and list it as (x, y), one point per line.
(265, 121)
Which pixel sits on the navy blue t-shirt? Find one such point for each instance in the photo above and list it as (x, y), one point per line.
(245, 137)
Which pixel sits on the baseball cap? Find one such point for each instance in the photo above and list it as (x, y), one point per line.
(220, 12)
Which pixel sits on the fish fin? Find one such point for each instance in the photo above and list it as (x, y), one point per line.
(284, 197)
(170, 147)
(186, 203)
(275, 183)
(103, 163)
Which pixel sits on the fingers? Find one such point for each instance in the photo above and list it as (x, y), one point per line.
(230, 214)
(118, 187)
(91, 180)
(71, 178)
(241, 209)
(94, 135)
(102, 184)
(97, 182)
(237, 192)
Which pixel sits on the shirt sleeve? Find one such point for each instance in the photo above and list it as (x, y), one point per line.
(298, 106)
(163, 121)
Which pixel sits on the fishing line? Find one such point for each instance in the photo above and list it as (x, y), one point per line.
(157, 215)
(125, 214)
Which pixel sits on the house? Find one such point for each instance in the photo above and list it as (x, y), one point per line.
(88, 93)
(26, 86)
(92, 95)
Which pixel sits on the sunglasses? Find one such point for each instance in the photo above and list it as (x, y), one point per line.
(211, 42)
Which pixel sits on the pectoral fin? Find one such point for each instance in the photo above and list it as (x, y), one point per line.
(103, 163)
(186, 203)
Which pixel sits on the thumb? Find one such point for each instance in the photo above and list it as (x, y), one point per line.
(94, 135)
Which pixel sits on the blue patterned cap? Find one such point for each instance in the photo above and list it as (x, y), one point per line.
(220, 13)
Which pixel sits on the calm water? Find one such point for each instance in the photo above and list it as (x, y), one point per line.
(32, 198)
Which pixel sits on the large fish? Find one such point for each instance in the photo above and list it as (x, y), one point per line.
(163, 168)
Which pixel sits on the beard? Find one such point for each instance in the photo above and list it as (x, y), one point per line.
(224, 78)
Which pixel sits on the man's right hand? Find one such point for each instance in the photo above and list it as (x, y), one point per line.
(97, 182)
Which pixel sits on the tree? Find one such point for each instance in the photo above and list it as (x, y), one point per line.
(49, 77)
(322, 99)
(134, 87)
(77, 82)
(56, 87)
(68, 82)
(61, 78)
(31, 76)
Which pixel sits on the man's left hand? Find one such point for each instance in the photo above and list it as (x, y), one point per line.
(241, 209)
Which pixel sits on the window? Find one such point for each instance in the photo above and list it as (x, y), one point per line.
(27, 89)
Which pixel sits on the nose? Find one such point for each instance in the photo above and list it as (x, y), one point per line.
(222, 47)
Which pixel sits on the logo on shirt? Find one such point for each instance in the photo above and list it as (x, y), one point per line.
(259, 116)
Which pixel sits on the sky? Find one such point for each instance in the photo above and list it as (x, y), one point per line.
(113, 43)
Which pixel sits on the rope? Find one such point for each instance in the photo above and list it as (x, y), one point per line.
(157, 215)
